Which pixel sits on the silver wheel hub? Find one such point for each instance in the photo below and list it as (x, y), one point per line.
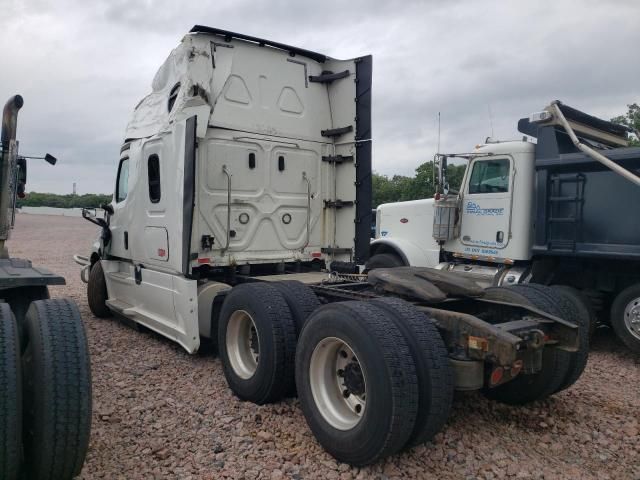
(338, 383)
(243, 344)
(632, 317)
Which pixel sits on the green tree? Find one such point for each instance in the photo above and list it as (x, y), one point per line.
(400, 188)
(88, 200)
(630, 119)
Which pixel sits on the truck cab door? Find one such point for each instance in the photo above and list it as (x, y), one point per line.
(486, 207)
(120, 219)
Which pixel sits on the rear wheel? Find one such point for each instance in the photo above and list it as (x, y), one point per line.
(57, 385)
(581, 303)
(257, 342)
(10, 396)
(19, 300)
(97, 292)
(301, 300)
(625, 317)
(433, 369)
(527, 388)
(356, 382)
(384, 260)
(572, 311)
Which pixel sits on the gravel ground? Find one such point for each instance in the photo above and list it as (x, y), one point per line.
(160, 413)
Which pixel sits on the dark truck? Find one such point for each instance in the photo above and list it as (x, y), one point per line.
(556, 208)
(45, 372)
(587, 232)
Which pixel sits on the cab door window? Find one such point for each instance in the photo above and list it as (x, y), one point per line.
(490, 176)
(122, 184)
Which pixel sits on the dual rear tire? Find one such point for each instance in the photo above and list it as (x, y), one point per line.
(45, 400)
(10, 396)
(372, 378)
(560, 369)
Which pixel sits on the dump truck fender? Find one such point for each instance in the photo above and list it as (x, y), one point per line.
(410, 253)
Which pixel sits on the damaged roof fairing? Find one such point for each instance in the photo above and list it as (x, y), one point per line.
(188, 67)
(209, 63)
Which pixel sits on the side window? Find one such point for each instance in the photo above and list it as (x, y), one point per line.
(173, 95)
(122, 184)
(153, 169)
(490, 176)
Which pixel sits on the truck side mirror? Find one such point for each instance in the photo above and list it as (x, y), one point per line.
(21, 176)
(50, 159)
(442, 174)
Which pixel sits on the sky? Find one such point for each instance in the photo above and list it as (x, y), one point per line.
(82, 66)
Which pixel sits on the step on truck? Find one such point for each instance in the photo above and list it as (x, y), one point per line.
(242, 218)
(45, 372)
(555, 208)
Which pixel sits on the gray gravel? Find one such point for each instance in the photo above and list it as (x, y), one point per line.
(160, 413)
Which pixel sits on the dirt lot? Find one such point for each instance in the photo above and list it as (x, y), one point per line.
(160, 413)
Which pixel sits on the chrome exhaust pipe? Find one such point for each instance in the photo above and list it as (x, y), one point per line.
(8, 155)
(10, 119)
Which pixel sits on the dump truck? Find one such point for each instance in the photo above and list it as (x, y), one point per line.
(555, 208)
(241, 217)
(45, 371)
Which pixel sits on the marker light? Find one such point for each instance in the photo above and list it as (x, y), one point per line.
(496, 375)
(539, 117)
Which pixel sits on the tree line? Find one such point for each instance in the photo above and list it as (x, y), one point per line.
(400, 188)
(88, 200)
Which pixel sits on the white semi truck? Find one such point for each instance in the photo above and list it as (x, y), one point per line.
(241, 217)
(556, 208)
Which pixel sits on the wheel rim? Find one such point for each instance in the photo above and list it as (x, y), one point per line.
(338, 383)
(243, 344)
(632, 317)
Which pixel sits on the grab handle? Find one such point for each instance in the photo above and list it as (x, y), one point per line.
(306, 179)
(226, 171)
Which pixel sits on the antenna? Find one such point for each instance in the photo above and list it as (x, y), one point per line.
(490, 118)
(433, 170)
(438, 150)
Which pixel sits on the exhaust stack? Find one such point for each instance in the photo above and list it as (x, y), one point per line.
(10, 119)
(7, 162)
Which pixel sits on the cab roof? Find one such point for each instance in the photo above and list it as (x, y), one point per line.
(228, 36)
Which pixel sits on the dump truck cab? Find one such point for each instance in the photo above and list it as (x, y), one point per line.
(496, 204)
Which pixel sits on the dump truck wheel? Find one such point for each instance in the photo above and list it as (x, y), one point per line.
(257, 343)
(573, 312)
(10, 396)
(301, 300)
(581, 303)
(384, 260)
(57, 390)
(433, 369)
(97, 292)
(625, 317)
(528, 388)
(356, 382)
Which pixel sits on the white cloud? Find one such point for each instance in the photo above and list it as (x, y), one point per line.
(83, 66)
